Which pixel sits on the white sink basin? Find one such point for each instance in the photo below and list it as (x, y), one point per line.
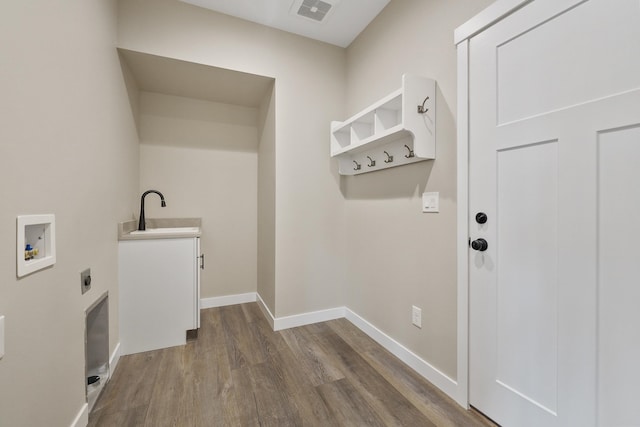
(167, 230)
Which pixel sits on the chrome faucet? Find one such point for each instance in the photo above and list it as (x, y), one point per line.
(141, 223)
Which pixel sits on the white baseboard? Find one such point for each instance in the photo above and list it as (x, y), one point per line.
(82, 419)
(113, 360)
(280, 323)
(429, 372)
(227, 300)
(267, 313)
(307, 318)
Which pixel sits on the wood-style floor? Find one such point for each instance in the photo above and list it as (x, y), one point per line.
(241, 373)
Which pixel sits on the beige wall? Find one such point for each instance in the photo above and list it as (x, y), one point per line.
(133, 90)
(266, 199)
(203, 157)
(68, 146)
(309, 93)
(399, 256)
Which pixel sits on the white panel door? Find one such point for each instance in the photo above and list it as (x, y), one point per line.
(554, 125)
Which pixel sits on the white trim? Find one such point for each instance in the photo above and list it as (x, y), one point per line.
(82, 418)
(308, 318)
(113, 360)
(462, 394)
(227, 300)
(422, 367)
(265, 310)
(486, 18)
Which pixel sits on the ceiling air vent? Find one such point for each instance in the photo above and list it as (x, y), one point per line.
(316, 10)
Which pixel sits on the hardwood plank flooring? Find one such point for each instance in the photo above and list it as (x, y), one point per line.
(241, 373)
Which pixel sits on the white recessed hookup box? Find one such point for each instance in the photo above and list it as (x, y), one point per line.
(36, 243)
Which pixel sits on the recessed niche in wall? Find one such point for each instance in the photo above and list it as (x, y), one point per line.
(97, 348)
(36, 243)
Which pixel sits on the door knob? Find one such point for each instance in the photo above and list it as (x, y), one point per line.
(481, 217)
(479, 245)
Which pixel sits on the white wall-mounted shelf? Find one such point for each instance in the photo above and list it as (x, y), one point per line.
(386, 133)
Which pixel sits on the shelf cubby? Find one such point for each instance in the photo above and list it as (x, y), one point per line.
(362, 129)
(389, 115)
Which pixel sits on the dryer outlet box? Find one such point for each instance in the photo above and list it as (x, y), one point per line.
(85, 280)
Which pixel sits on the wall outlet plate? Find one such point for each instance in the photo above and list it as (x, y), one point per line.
(416, 316)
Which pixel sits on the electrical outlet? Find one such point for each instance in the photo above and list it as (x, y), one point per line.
(416, 316)
(85, 280)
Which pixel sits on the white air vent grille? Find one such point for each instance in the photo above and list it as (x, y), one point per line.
(314, 9)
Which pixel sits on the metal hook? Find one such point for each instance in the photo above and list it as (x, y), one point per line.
(410, 155)
(389, 158)
(372, 162)
(357, 168)
(421, 109)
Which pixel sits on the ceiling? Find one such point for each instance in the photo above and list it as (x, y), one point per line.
(187, 79)
(343, 22)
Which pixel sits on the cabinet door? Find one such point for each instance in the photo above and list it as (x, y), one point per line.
(199, 265)
(157, 293)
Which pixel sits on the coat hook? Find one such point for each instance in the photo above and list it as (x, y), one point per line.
(389, 158)
(421, 109)
(372, 162)
(410, 155)
(357, 168)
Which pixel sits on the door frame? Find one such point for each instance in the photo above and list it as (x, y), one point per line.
(462, 35)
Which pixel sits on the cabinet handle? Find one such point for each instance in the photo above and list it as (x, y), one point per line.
(201, 261)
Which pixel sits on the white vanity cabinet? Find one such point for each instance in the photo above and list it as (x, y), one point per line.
(159, 292)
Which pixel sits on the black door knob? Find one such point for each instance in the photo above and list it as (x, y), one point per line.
(479, 245)
(481, 217)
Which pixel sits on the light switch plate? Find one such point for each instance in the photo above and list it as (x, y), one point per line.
(431, 202)
(1, 336)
